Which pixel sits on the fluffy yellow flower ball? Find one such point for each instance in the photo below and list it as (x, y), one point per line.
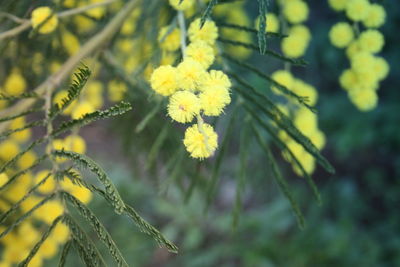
(201, 52)
(116, 90)
(183, 106)
(208, 33)
(376, 16)
(49, 186)
(190, 74)
(21, 136)
(44, 20)
(295, 11)
(164, 80)
(362, 62)
(8, 150)
(306, 121)
(198, 145)
(75, 143)
(353, 48)
(215, 78)
(181, 5)
(348, 79)
(213, 100)
(70, 42)
(48, 249)
(371, 41)
(272, 23)
(284, 78)
(357, 10)
(168, 39)
(295, 45)
(82, 194)
(60, 233)
(3, 178)
(341, 34)
(380, 68)
(49, 211)
(364, 100)
(27, 160)
(337, 5)
(15, 83)
(81, 109)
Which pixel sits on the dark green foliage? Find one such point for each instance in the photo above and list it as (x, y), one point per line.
(262, 40)
(97, 226)
(6, 134)
(81, 77)
(283, 185)
(21, 96)
(64, 253)
(115, 110)
(248, 29)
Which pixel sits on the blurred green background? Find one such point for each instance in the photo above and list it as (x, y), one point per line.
(358, 223)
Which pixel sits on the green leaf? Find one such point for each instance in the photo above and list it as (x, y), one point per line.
(98, 227)
(84, 246)
(64, 253)
(284, 147)
(207, 12)
(279, 178)
(297, 62)
(143, 123)
(267, 106)
(116, 110)
(81, 77)
(262, 40)
(21, 114)
(283, 89)
(37, 246)
(149, 229)
(155, 148)
(21, 96)
(88, 163)
(221, 24)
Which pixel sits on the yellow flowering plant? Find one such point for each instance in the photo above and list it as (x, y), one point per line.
(187, 67)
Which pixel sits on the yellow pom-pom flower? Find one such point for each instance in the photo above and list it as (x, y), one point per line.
(82, 194)
(3, 178)
(284, 78)
(341, 34)
(362, 62)
(49, 211)
(75, 143)
(8, 150)
(380, 68)
(190, 74)
(181, 5)
(376, 16)
(348, 79)
(337, 5)
(364, 100)
(201, 52)
(164, 80)
(15, 83)
(371, 41)
(44, 20)
(201, 145)
(81, 109)
(183, 106)
(296, 44)
(295, 11)
(116, 90)
(70, 42)
(304, 89)
(27, 160)
(213, 100)
(49, 186)
(357, 10)
(353, 48)
(215, 78)
(208, 33)
(169, 39)
(60, 233)
(301, 31)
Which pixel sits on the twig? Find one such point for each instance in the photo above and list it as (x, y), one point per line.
(27, 23)
(89, 47)
(12, 17)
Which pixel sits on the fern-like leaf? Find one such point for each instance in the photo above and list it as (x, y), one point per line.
(88, 163)
(64, 253)
(207, 12)
(262, 40)
(97, 226)
(116, 110)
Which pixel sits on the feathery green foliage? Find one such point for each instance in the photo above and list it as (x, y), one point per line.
(207, 12)
(262, 11)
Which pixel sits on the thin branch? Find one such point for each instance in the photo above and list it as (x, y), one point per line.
(12, 17)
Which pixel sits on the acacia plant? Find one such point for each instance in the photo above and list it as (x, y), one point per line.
(182, 60)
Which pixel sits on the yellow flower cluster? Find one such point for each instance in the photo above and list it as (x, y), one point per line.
(361, 80)
(44, 20)
(299, 36)
(193, 89)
